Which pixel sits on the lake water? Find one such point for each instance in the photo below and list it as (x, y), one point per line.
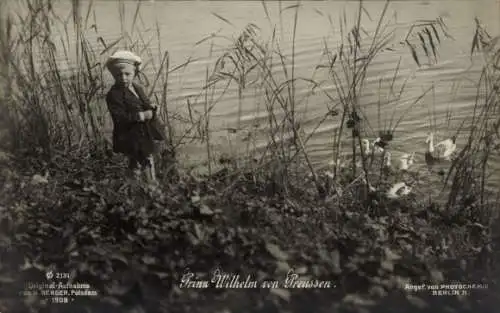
(184, 23)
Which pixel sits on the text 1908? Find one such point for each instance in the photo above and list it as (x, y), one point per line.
(59, 300)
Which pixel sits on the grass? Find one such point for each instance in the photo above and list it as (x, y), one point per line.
(261, 213)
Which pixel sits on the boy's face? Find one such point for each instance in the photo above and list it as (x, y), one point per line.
(123, 73)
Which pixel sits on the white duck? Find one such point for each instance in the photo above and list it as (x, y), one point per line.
(376, 147)
(398, 190)
(370, 148)
(443, 150)
(387, 163)
(405, 161)
(403, 164)
(365, 146)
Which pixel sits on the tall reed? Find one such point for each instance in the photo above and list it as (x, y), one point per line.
(469, 174)
(348, 66)
(55, 101)
(58, 99)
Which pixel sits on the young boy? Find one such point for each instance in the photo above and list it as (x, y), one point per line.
(135, 126)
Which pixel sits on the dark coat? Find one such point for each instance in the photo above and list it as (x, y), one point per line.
(131, 136)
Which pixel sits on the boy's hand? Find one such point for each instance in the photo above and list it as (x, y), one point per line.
(146, 115)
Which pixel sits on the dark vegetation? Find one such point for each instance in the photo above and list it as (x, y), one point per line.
(256, 214)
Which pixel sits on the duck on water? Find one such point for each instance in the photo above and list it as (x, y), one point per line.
(404, 162)
(372, 147)
(396, 191)
(443, 150)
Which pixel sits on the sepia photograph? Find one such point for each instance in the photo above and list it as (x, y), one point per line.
(248, 156)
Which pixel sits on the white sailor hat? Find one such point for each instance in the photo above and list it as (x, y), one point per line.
(123, 56)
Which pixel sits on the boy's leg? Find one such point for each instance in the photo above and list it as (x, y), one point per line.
(134, 167)
(150, 170)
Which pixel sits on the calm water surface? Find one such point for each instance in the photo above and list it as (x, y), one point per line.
(183, 24)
